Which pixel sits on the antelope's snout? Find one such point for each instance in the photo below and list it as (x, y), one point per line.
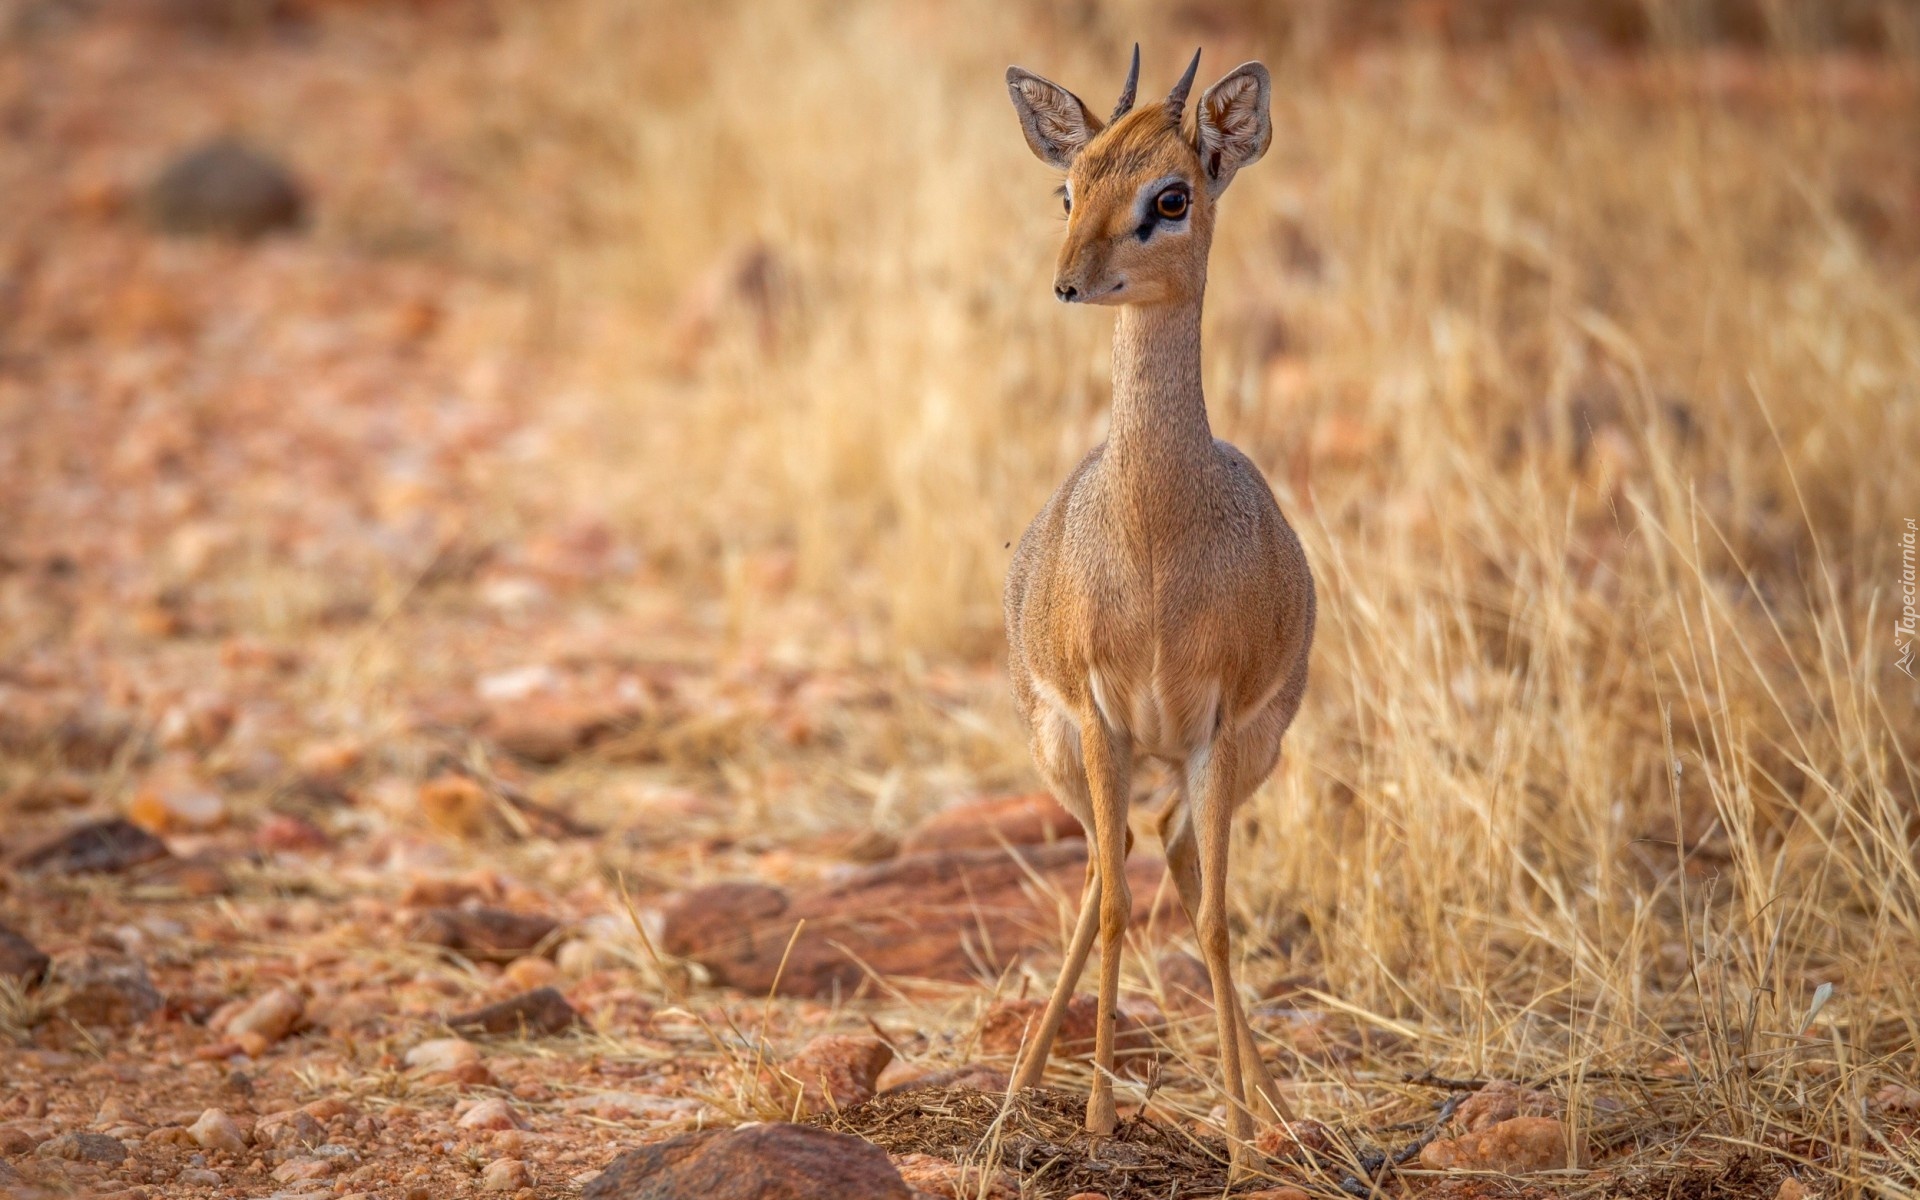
(1085, 274)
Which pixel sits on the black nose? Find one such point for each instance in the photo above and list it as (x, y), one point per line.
(1064, 292)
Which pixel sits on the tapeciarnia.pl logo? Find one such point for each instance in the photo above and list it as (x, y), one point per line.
(1908, 623)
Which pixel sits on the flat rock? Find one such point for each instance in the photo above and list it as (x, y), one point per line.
(1030, 820)
(1511, 1147)
(706, 921)
(97, 847)
(540, 1011)
(225, 187)
(105, 989)
(494, 934)
(83, 1147)
(945, 916)
(775, 1161)
(1503, 1100)
(20, 959)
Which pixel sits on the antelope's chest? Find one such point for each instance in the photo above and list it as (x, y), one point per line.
(1156, 672)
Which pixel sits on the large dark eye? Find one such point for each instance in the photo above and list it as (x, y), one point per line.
(1066, 202)
(1171, 204)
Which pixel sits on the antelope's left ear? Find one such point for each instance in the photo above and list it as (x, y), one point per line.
(1232, 127)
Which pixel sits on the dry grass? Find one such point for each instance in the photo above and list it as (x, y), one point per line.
(1588, 382)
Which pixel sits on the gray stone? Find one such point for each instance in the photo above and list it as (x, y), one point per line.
(106, 989)
(83, 1147)
(540, 1011)
(227, 188)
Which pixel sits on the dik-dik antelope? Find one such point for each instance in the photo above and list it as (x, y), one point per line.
(1159, 606)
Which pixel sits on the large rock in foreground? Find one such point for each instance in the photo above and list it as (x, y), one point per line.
(758, 1162)
(954, 916)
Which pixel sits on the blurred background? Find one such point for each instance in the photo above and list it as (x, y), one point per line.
(642, 397)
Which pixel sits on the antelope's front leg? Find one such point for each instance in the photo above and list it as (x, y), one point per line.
(1109, 759)
(1034, 1064)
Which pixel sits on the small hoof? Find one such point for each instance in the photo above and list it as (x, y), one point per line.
(1027, 1076)
(1239, 1163)
(1102, 1119)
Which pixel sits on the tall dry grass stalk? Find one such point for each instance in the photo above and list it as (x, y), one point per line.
(1589, 384)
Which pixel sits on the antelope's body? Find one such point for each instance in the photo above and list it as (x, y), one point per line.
(1159, 606)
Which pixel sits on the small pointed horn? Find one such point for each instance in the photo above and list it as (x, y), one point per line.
(1177, 98)
(1126, 93)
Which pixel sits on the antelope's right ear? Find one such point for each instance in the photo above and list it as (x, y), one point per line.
(1057, 125)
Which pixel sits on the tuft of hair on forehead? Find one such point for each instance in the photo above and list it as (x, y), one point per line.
(1143, 140)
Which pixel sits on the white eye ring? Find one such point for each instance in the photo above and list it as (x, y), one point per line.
(1147, 205)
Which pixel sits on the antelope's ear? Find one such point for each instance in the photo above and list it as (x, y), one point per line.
(1232, 127)
(1057, 125)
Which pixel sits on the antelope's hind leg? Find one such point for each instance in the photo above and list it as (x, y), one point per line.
(1183, 862)
(1214, 791)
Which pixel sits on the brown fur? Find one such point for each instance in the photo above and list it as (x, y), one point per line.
(1159, 606)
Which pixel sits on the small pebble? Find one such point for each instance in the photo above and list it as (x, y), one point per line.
(215, 1130)
(528, 973)
(442, 1054)
(272, 1016)
(492, 1115)
(505, 1175)
(510, 1142)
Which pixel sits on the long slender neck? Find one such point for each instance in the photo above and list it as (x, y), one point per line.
(1159, 412)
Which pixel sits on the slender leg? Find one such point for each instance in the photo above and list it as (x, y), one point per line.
(1183, 860)
(1034, 1063)
(1109, 762)
(1210, 780)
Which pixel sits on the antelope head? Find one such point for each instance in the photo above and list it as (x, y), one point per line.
(1142, 185)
